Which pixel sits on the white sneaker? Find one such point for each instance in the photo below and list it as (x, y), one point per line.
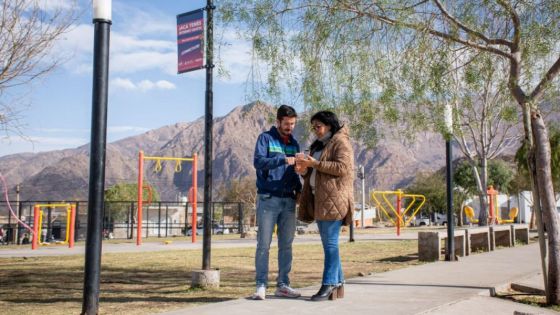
(260, 294)
(286, 291)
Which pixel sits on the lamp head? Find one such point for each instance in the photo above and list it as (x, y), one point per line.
(102, 10)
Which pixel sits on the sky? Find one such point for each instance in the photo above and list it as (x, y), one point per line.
(145, 91)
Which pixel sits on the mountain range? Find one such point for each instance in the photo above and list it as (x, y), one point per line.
(63, 174)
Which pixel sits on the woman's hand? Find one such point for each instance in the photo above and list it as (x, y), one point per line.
(308, 161)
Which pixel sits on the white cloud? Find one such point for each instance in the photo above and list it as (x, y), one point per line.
(146, 42)
(144, 85)
(165, 85)
(127, 43)
(141, 21)
(143, 61)
(59, 130)
(124, 84)
(53, 5)
(39, 144)
(126, 129)
(235, 58)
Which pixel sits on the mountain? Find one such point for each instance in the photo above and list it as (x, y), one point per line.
(63, 174)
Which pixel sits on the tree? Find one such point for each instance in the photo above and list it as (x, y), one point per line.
(522, 153)
(500, 176)
(432, 186)
(354, 54)
(119, 196)
(243, 190)
(29, 30)
(484, 116)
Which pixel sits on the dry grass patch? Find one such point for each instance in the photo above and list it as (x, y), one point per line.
(150, 282)
(526, 298)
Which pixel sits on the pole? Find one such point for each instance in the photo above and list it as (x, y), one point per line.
(208, 122)
(72, 226)
(18, 206)
(102, 27)
(399, 199)
(450, 253)
(140, 198)
(194, 188)
(363, 195)
(49, 225)
(36, 236)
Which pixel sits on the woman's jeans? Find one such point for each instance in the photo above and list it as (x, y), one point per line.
(332, 270)
(273, 211)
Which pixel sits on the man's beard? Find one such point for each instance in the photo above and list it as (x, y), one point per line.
(284, 133)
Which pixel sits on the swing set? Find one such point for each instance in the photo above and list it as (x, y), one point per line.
(157, 168)
(38, 223)
(399, 196)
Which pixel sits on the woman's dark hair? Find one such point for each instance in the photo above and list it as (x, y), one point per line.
(327, 118)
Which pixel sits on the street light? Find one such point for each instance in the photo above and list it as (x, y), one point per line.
(98, 143)
(448, 115)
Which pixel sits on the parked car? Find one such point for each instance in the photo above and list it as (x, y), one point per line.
(441, 218)
(420, 221)
(216, 229)
(220, 229)
(199, 231)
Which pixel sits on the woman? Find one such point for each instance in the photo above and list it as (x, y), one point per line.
(327, 195)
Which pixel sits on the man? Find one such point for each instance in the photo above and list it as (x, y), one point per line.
(277, 187)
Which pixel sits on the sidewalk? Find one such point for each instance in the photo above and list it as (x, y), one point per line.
(152, 246)
(460, 287)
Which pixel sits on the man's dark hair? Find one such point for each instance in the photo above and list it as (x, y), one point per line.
(328, 118)
(285, 111)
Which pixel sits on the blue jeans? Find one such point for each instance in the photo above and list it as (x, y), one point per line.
(332, 270)
(273, 211)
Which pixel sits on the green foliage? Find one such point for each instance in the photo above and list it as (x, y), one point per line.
(379, 62)
(433, 187)
(500, 175)
(521, 157)
(119, 196)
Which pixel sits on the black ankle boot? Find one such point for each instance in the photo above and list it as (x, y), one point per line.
(326, 292)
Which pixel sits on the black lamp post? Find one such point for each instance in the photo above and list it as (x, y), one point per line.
(450, 252)
(102, 24)
(208, 126)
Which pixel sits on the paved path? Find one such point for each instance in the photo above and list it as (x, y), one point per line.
(462, 287)
(151, 246)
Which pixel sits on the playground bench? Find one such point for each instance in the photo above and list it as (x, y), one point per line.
(430, 244)
(472, 239)
(520, 232)
(500, 235)
(477, 238)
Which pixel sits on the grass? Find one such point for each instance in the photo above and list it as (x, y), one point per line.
(151, 282)
(525, 298)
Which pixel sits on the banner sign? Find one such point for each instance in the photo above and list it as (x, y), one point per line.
(190, 41)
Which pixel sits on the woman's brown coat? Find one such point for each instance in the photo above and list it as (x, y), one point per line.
(334, 183)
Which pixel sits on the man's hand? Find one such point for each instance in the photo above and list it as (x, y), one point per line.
(290, 160)
(300, 169)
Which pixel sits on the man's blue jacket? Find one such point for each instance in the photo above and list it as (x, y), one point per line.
(274, 176)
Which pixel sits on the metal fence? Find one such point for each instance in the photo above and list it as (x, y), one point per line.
(160, 219)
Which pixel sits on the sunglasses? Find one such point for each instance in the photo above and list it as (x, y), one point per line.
(317, 126)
